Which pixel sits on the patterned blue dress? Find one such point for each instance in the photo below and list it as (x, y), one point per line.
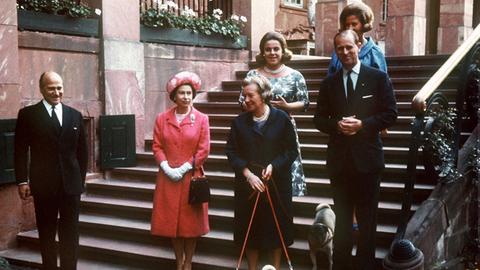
(292, 88)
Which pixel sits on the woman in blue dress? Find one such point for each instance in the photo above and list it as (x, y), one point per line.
(359, 18)
(289, 91)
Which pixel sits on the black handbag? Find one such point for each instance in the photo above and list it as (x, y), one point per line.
(199, 188)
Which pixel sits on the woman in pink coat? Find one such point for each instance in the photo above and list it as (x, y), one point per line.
(180, 134)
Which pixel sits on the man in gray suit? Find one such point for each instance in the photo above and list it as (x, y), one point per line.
(353, 106)
(50, 165)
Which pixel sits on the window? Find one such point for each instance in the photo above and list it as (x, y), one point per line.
(384, 12)
(294, 3)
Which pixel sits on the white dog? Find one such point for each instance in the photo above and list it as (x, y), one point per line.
(321, 234)
(268, 267)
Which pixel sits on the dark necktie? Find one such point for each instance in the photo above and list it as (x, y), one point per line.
(55, 120)
(349, 88)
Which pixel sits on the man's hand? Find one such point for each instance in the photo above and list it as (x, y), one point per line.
(24, 191)
(349, 125)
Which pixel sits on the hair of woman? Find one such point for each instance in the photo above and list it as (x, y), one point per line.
(360, 10)
(264, 88)
(287, 54)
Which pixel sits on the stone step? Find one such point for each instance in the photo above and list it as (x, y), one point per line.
(222, 191)
(308, 151)
(393, 71)
(398, 83)
(221, 222)
(392, 61)
(222, 198)
(137, 254)
(403, 95)
(303, 121)
(29, 256)
(393, 172)
(395, 138)
(224, 107)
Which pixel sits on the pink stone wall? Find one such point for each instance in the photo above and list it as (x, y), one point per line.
(163, 61)
(17, 215)
(76, 60)
(326, 26)
(287, 18)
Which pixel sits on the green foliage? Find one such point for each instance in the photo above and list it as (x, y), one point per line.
(439, 142)
(474, 158)
(57, 7)
(209, 24)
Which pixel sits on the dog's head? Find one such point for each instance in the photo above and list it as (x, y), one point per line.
(319, 234)
(268, 267)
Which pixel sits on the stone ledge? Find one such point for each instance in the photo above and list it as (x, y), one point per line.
(36, 40)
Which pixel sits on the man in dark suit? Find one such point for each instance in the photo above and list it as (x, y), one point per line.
(353, 106)
(50, 165)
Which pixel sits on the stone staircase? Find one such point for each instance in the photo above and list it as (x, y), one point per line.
(115, 212)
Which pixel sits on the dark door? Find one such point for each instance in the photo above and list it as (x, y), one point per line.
(7, 138)
(117, 141)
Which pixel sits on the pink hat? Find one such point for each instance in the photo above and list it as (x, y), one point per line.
(181, 78)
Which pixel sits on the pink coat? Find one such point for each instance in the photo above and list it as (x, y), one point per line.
(172, 215)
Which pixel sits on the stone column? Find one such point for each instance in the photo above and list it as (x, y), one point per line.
(123, 62)
(10, 98)
(327, 13)
(261, 19)
(406, 28)
(17, 215)
(455, 24)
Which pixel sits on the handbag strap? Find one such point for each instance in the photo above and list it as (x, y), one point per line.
(193, 168)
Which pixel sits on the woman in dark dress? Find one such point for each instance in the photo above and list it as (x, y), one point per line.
(261, 148)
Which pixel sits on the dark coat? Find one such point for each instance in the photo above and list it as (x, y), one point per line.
(274, 144)
(373, 103)
(54, 159)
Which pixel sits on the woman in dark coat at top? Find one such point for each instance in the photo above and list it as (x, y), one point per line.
(261, 148)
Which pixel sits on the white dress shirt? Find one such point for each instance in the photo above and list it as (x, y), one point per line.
(58, 110)
(353, 75)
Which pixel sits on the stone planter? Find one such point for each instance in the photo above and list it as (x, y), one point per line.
(189, 38)
(60, 24)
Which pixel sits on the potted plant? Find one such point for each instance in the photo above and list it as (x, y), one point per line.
(63, 17)
(163, 25)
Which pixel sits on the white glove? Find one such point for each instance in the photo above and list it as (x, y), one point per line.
(173, 174)
(184, 168)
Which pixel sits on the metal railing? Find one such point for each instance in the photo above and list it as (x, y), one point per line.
(466, 59)
(200, 7)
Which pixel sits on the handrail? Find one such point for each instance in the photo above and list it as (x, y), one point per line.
(419, 101)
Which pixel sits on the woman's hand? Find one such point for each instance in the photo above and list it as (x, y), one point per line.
(280, 103)
(173, 174)
(267, 172)
(253, 180)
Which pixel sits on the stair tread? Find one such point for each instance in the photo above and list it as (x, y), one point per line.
(148, 205)
(33, 257)
(140, 249)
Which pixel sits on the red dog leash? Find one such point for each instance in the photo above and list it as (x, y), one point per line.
(276, 223)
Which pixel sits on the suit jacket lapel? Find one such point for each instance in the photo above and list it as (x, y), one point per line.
(45, 118)
(339, 88)
(66, 119)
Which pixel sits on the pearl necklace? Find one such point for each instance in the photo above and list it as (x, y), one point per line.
(264, 116)
(274, 71)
